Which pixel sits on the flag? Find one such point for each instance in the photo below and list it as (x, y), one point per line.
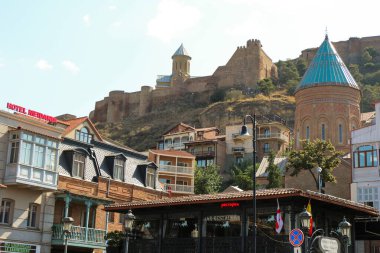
(308, 208)
(279, 222)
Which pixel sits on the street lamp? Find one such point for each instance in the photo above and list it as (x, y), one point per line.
(345, 232)
(244, 134)
(128, 226)
(305, 217)
(67, 224)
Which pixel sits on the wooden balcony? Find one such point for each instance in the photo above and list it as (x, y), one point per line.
(79, 237)
(204, 153)
(179, 188)
(18, 174)
(176, 169)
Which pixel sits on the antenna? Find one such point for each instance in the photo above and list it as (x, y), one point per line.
(326, 33)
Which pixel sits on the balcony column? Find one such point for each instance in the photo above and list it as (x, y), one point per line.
(88, 206)
(67, 204)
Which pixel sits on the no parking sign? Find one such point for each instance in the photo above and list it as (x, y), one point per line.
(296, 237)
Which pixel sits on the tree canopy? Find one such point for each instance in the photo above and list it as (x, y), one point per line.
(207, 180)
(242, 174)
(315, 154)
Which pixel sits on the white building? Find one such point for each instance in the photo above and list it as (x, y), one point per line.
(28, 169)
(365, 187)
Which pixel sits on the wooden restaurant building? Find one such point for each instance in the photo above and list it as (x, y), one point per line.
(223, 222)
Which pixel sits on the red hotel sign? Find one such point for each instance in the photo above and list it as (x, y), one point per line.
(229, 204)
(32, 113)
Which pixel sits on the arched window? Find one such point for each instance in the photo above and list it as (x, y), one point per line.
(365, 156)
(340, 133)
(323, 132)
(307, 133)
(83, 135)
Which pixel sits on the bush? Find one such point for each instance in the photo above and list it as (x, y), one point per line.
(218, 96)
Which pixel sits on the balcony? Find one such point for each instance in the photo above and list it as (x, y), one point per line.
(204, 153)
(176, 169)
(79, 236)
(278, 136)
(18, 174)
(238, 150)
(179, 188)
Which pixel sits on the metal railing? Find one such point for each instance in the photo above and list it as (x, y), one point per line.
(272, 136)
(238, 149)
(79, 234)
(179, 188)
(203, 153)
(176, 169)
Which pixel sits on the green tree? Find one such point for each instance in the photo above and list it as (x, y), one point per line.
(355, 72)
(207, 180)
(242, 174)
(301, 66)
(366, 57)
(266, 86)
(287, 71)
(218, 95)
(314, 154)
(274, 173)
(370, 94)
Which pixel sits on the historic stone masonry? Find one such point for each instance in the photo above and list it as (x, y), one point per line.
(246, 67)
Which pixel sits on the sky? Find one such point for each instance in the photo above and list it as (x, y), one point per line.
(62, 56)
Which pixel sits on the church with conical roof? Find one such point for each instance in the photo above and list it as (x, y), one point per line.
(327, 100)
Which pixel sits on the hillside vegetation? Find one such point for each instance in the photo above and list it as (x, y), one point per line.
(226, 106)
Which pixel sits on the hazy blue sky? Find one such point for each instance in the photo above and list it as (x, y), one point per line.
(61, 56)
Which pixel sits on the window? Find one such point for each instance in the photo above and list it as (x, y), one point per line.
(201, 163)
(26, 153)
(209, 149)
(51, 159)
(111, 217)
(340, 130)
(365, 156)
(323, 132)
(5, 211)
(38, 159)
(78, 165)
(266, 132)
(118, 169)
(121, 218)
(266, 148)
(14, 152)
(369, 196)
(150, 177)
(32, 216)
(307, 133)
(239, 159)
(83, 135)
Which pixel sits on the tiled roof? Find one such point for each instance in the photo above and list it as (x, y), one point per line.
(174, 153)
(245, 195)
(2, 186)
(181, 51)
(327, 68)
(187, 127)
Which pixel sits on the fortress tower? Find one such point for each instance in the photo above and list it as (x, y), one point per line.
(327, 100)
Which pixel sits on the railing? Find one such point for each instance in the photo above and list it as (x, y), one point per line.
(238, 149)
(203, 153)
(272, 136)
(25, 174)
(78, 234)
(176, 169)
(179, 188)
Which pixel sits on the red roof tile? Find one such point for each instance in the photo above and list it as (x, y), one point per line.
(245, 195)
(177, 153)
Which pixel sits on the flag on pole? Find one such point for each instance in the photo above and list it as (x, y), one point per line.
(279, 222)
(308, 208)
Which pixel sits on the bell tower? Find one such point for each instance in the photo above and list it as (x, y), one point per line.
(181, 63)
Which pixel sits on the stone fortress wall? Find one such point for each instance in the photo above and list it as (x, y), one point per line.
(350, 50)
(248, 65)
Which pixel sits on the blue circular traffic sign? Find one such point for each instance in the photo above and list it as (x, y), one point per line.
(296, 237)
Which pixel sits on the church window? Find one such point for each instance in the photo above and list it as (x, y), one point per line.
(323, 132)
(340, 129)
(365, 156)
(307, 133)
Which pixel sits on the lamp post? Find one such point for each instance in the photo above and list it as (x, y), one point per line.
(128, 225)
(319, 171)
(245, 134)
(343, 233)
(67, 223)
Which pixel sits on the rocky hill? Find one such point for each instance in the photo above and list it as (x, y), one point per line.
(143, 132)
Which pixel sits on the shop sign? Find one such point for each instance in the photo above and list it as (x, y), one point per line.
(229, 204)
(223, 218)
(18, 247)
(30, 112)
(329, 244)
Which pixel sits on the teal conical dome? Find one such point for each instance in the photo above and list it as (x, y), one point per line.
(327, 68)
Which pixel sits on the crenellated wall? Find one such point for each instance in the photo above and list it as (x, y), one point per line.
(248, 65)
